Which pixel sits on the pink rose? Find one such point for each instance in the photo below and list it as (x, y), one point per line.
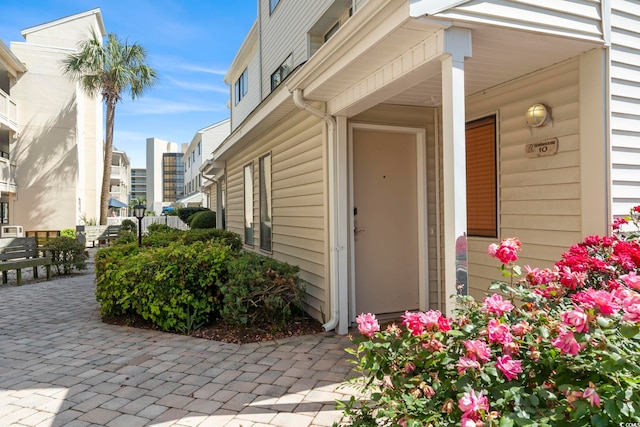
(471, 404)
(520, 329)
(509, 367)
(367, 324)
(631, 307)
(465, 363)
(604, 301)
(477, 349)
(591, 395)
(414, 322)
(506, 251)
(498, 332)
(631, 280)
(576, 318)
(567, 343)
(496, 305)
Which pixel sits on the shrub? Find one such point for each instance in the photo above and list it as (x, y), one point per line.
(175, 287)
(562, 350)
(159, 228)
(224, 237)
(185, 213)
(204, 219)
(68, 232)
(128, 226)
(261, 290)
(125, 238)
(66, 254)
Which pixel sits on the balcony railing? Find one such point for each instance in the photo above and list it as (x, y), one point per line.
(7, 176)
(8, 111)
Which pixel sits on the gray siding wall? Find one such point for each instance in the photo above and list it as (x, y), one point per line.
(539, 199)
(298, 199)
(574, 18)
(252, 99)
(625, 106)
(285, 32)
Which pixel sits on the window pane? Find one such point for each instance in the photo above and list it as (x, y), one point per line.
(248, 204)
(265, 203)
(273, 4)
(482, 210)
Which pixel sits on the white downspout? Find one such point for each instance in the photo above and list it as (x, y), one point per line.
(334, 281)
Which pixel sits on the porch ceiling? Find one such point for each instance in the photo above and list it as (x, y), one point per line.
(499, 55)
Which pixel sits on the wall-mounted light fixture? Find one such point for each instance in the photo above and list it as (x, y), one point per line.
(538, 115)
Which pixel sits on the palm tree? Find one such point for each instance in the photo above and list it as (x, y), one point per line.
(109, 70)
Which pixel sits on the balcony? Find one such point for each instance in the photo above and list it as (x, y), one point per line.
(8, 112)
(7, 176)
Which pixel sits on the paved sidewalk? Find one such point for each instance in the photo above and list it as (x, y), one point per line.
(61, 366)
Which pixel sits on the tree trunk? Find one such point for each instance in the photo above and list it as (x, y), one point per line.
(108, 155)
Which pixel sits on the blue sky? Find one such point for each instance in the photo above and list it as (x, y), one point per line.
(190, 44)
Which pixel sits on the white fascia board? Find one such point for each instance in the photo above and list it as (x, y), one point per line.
(49, 24)
(247, 49)
(14, 63)
(419, 8)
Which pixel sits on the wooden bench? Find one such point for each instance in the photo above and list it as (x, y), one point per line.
(17, 253)
(101, 233)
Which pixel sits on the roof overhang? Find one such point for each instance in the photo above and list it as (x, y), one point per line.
(10, 61)
(91, 12)
(430, 7)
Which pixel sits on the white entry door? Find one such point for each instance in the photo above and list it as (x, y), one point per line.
(385, 221)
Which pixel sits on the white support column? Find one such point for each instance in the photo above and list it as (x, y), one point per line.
(457, 47)
(342, 203)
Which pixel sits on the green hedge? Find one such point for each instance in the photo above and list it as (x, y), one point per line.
(186, 213)
(175, 287)
(180, 280)
(261, 290)
(205, 219)
(66, 254)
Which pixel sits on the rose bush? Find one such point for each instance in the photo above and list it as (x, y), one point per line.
(562, 350)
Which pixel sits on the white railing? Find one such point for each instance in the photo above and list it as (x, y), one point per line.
(7, 176)
(8, 111)
(171, 221)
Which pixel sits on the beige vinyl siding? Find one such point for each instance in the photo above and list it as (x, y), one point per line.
(538, 198)
(298, 199)
(425, 118)
(285, 32)
(625, 106)
(573, 18)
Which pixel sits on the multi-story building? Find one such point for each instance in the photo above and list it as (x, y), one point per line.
(196, 185)
(119, 183)
(165, 173)
(50, 130)
(138, 184)
(11, 68)
(382, 145)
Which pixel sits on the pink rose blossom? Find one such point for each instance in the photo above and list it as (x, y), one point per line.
(418, 322)
(572, 279)
(471, 404)
(414, 322)
(468, 422)
(509, 367)
(591, 395)
(465, 363)
(567, 343)
(631, 280)
(506, 251)
(522, 328)
(433, 345)
(498, 332)
(444, 324)
(604, 301)
(496, 305)
(631, 307)
(367, 324)
(409, 367)
(576, 318)
(618, 222)
(477, 349)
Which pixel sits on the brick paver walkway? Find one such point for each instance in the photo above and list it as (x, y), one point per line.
(61, 366)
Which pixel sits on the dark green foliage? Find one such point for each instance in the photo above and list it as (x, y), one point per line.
(261, 290)
(225, 237)
(68, 232)
(66, 254)
(159, 228)
(204, 219)
(185, 213)
(125, 238)
(175, 287)
(129, 226)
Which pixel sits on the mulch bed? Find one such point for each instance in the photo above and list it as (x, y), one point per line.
(230, 334)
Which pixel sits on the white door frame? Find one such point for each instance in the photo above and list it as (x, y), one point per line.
(421, 188)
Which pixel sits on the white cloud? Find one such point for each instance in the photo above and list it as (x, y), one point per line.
(156, 106)
(189, 85)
